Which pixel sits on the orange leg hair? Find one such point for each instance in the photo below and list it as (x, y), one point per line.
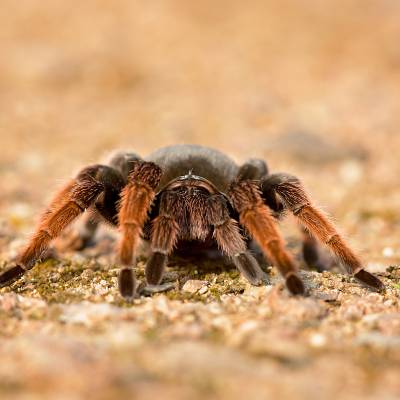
(136, 200)
(72, 200)
(256, 217)
(318, 224)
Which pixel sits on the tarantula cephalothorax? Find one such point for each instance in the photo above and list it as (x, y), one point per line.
(185, 195)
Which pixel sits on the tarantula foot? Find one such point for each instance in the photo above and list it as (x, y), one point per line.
(149, 290)
(155, 268)
(10, 275)
(369, 280)
(250, 269)
(127, 284)
(295, 285)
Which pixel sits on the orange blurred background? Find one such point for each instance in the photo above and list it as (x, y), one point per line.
(311, 86)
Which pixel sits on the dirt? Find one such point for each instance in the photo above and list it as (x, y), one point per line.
(309, 86)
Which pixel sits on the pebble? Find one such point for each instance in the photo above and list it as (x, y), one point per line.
(327, 296)
(194, 286)
(318, 340)
(257, 292)
(203, 290)
(8, 302)
(388, 252)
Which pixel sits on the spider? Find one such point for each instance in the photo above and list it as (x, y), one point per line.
(183, 195)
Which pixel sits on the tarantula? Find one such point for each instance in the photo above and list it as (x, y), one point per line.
(183, 195)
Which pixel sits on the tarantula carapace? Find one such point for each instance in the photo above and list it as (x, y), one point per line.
(190, 194)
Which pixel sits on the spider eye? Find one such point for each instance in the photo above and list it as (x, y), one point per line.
(181, 190)
(200, 190)
(191, 190)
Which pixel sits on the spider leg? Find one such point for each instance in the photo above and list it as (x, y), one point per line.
(231, 242)
(136, 200)
(104, 209)
(295, 198)
(313, 255)
(164, 236)
(114, 175)
(71, 201)
(256, 217)
(254, 168)
(123, 162)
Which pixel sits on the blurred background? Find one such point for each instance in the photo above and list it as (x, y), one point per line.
(311, 86)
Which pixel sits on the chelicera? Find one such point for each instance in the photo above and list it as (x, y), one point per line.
(183, 195)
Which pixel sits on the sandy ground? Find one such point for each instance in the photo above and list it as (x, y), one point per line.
(310, 86)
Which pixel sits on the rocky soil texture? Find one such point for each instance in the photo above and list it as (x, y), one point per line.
(310, 86)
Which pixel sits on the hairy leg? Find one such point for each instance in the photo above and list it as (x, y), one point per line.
(199, 214)
(253, 168)
(257, 169)
(71, 201)
(104, 209)
(231, 242)
(114, 177)
(123, 162)
(295, 198)
(313, 254)
(136, 200)
(256, 217)
(164, 236)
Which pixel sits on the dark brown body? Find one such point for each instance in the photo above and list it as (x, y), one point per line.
(192, 196)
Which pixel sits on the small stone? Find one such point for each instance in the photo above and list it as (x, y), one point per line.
(388, 252)
(318, 340)
(55, 277)
(203, 290)
(257, 292)
(327, 296)
(193, 286)
(8, 302)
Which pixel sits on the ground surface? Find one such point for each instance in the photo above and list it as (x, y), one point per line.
(308, 85)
